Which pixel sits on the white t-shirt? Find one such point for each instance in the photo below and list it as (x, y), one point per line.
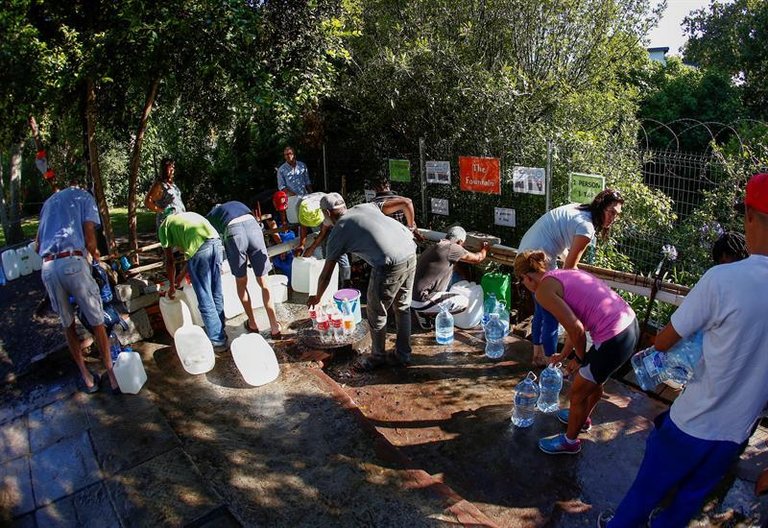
(553, 232)
(729, 388)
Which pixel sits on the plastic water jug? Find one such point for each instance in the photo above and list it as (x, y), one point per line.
(503, 315)
(444, 326)
(348, 316)
(550, 385)
(277, 285)
(190, 297)
(494, 337)
(34, 258)
(300, 274)
(314, 277)
(129, 372)
(677, 364)
(255, 359)
(25, 264)
(526, 396)
(194, 349)
(10, 264)
(175, 312)
(232, 305)
(473, 315)
(490, 306)
(100, 276)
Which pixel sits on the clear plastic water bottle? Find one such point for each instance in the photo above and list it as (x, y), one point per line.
(444, 326)
(550, 385)
(526, 396)
(503, 315)
(347, 317)
(677, 364)
(114, 346)
(489, 306)
(494, 337)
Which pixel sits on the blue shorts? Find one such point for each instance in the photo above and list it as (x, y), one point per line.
(243, 242)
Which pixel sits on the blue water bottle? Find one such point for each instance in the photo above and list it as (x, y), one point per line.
(105, 290)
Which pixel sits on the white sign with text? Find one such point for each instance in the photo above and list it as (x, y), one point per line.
(440, 206)
(504, 216)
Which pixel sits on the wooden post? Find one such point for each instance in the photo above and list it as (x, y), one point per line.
(93, 163)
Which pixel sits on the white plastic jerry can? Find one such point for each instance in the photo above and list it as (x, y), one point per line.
(175, 312)
(129, 372)
(194, 307)
(315, 269)
(25, 264)
(34, 258)
(300, 274)
(232, 305)
(10, 264)
(194, 349)
(255, 359)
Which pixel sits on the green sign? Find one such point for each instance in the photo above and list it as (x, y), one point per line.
(400, 170)
(582, 188)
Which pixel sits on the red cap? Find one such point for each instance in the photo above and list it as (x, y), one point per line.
(756, 196)
(280, 200)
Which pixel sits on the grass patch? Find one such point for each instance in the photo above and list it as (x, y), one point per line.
(145, 221)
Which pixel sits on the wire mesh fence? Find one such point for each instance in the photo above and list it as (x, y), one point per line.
(693, 193)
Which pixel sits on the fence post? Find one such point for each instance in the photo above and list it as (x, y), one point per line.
(325, 171)
(422, 183)
(548, 175)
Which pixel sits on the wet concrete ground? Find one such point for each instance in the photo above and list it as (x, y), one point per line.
(431, 445)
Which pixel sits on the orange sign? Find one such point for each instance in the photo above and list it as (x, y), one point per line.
(480, 174)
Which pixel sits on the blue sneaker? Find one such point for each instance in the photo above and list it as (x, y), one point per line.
(558, 445)
(564, 414)
(604, 518)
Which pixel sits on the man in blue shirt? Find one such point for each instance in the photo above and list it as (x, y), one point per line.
(293, 179)
(67, 232)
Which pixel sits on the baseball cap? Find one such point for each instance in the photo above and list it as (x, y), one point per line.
(332, 201)
(280, 201)
(456, 233)
(756, 195)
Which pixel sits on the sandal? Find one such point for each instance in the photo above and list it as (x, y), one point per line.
(368, 363)
(82, 387)
(248, 328)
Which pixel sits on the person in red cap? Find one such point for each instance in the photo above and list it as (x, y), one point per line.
(696, 442)
(280, 202)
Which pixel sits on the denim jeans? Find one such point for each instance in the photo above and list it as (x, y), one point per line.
(387, 286)
(204, 270)
(544, 329)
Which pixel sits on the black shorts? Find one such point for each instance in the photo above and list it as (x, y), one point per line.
(600, 363)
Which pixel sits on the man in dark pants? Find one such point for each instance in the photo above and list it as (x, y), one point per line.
(388, 247)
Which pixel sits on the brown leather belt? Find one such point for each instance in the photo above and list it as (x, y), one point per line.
(48, 258)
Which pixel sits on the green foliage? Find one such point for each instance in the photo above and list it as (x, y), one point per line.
(732, 37)
(674, 94)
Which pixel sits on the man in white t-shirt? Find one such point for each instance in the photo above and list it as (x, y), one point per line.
(697, 441)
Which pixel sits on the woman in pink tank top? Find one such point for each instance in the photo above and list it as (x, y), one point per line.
(580, 302)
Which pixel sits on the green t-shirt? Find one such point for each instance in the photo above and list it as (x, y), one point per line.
(186, 231)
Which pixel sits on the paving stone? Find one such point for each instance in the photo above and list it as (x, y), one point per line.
(63, 468)
(89, 508)
(132, 441)
(16, 493)
(107, 410)
(14, 439)
(167, 490)
(58, 420)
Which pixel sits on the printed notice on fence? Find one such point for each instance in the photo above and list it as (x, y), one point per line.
(439, 172)
(479, 174)
(504, 217)
(369, 195)
(582, 188)
(440, 206)
(400, 170)
(528, 180)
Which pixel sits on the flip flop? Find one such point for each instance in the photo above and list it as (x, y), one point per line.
(248, 328)
(82, 387)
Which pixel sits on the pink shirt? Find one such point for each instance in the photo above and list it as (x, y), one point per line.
(600, 309)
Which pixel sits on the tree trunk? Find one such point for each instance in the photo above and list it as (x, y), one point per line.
(93, 163)
(15, 234)
(133, 175)
(3, 205)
